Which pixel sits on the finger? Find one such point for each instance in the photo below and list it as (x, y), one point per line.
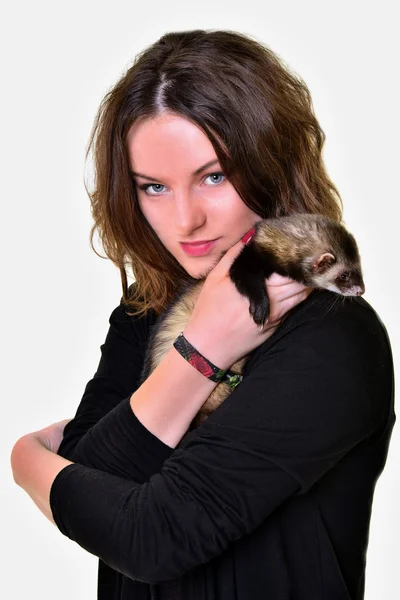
(280, 280)
(293, 301)
(294, 289)
(225, 262)
(285, 287)
(228, 257)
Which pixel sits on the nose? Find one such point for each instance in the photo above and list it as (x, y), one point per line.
(360, 289)
(190, 212)
(358, 284)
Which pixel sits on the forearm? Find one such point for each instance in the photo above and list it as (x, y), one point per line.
(34, 469)
(171, 396)
(135, 438)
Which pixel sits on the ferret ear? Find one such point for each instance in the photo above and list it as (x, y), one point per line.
(325, 261)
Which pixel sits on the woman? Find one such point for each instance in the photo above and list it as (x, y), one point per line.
(271, 496)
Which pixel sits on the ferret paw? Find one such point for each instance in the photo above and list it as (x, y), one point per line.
(260, 312)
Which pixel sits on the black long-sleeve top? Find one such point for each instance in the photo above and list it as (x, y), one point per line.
(270, 498)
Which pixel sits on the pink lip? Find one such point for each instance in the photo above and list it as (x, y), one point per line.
(200, 248)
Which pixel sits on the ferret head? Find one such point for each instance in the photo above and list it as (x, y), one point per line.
(338, 267)
(338, 276)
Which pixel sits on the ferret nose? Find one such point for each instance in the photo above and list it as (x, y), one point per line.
(360, 290)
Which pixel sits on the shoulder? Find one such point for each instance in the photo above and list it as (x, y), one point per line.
(328, 368)
(332, 310)
(122, 324)
(333, 323)
(336, 341)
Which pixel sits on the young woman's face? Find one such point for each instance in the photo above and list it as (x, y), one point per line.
(182, 199)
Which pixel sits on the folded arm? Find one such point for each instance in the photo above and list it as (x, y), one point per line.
(307, 402)
(88, 438)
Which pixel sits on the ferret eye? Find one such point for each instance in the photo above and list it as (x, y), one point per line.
(345, 276)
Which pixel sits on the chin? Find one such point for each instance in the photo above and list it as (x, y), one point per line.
(195, 274)
(202, 271)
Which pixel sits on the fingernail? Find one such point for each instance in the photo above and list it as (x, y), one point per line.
(246, 239)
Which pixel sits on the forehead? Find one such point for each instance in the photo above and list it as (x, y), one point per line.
(347, 243)
(168, 138)
(169, 146)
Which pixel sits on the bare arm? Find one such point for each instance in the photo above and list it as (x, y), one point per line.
(170, 398)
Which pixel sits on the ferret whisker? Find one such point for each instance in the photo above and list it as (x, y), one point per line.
(330, 304)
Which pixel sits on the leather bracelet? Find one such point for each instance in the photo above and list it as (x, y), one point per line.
(204, 366)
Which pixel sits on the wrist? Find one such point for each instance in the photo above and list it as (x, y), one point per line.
(170, 397)
(204, 365)
(209, 347)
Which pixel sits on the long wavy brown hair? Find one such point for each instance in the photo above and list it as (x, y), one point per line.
(257, 114)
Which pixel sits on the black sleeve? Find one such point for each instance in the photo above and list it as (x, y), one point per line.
(88, 439)
(318, 390)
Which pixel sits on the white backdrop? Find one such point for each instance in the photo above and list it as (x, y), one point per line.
(58, 61)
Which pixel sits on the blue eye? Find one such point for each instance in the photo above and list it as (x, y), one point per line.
(158, 191)
(215, 175)
(149, 185)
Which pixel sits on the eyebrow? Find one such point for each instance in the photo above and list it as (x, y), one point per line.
(197, 172)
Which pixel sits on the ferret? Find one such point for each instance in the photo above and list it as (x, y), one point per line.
(309, 248)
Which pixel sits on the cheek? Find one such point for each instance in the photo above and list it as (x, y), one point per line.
(157, 221)
(142, 206)
(245, 214)
(149, 214)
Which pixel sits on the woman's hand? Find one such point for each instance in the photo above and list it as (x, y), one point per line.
(51, 436)
(35, 463)
(221, 326)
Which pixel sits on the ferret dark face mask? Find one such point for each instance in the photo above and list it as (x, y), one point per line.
(340, 276)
